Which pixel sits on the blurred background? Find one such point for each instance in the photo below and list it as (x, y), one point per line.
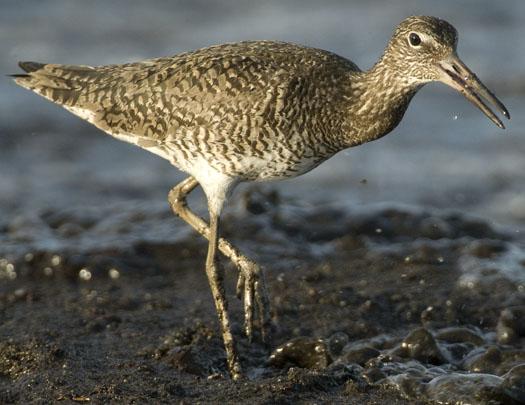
(444, 154)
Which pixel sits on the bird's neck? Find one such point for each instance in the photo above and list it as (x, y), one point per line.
(378, 99)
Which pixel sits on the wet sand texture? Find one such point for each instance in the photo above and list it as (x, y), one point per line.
(385, 305)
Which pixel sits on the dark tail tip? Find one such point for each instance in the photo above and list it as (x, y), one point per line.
(31, 66)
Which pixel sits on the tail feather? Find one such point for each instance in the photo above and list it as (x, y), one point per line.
(62, 84)
(28, 67)
(31, 66)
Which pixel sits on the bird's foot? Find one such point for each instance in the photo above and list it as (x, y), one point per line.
(251, 286)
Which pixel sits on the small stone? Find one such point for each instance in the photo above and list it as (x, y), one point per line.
(373, 375)
(456, 352)
(360, 355)
(429, 315)
(20, 293)
(304, 352)
(460, 335)
(421, 345)
(483, 360)
(464, 388)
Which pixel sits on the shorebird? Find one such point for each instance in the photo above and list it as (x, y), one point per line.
(256, 111)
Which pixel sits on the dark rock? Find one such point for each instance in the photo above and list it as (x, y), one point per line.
(456, 352)
(421, 345)
(302, 352)
(360, 355)
(483, 360)
(465, 388)
(460, 335)
(373, 375)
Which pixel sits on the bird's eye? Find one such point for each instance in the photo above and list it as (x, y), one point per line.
(414, 39)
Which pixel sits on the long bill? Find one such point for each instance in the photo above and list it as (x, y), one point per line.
(458, 76)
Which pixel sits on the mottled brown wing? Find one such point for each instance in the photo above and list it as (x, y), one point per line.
(159, 100)
(206, 97)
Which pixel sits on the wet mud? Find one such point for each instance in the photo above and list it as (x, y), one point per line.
(388, 304)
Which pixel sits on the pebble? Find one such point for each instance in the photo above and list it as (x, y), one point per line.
(304, 352)
(421, 345)
(373, 375)
(460, 335)
(483, 360)
(359, 355)
(474, 389)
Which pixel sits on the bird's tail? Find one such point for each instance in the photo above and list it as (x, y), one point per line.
(62, 84)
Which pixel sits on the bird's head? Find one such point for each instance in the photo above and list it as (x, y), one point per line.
(423, 49)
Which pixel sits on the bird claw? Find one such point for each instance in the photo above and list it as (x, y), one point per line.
(251, 286)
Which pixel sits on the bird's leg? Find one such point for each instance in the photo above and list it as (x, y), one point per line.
(251, 279)
(216, 280)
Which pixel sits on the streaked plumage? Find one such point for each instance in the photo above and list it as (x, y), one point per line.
(256, 110)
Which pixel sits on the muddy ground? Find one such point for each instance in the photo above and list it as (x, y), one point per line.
(388, 305)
